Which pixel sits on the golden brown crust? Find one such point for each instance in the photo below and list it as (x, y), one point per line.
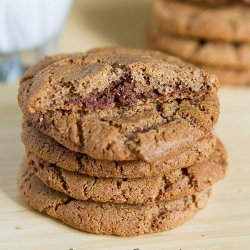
(172, 103)
(48, 149)
(126, 113)
(149, 132)
(81, 81)
(174, 185)
(108, 218)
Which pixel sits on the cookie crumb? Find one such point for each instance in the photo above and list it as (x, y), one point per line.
(18, 228)
(203, 235)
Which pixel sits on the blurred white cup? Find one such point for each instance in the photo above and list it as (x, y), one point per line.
(28, 30)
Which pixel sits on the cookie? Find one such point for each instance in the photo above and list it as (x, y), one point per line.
(228, 76)
(171, 186)
(154, 110)
(231, 75)
(48, 149)
(221, 2)
(108, 218)
(149, 132)
(202, 52)
(81, 81)
(226, 23)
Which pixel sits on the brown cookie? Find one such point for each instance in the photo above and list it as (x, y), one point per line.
(171, 186)
(108, 218)
(48, 149)
(149, 132)
(118, 105)
(201, 52)
(228, 76)
(81, 81)
(220, 2)
(226, 22)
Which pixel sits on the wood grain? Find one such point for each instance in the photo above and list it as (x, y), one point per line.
(224, 224)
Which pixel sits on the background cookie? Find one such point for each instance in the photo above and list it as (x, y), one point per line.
(202, 52)
(108, 218)
(174, 185)
(48, 149)
(228, 76)
(226, 23)
(218, 2)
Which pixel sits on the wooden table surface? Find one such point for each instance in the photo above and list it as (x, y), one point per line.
(224, 224)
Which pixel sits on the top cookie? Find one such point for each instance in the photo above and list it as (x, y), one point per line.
(120, 104)
(223, 22)
(105, 79)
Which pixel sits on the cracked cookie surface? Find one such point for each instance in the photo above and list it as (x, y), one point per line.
(149, 132)
(108, 218)
(174, 185)
(225, 22)
(49, 150)
(121, 104)
(107, 78)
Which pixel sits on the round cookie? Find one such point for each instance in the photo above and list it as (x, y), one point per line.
(227, 23)
(81, 81)
(202, 52)
(121, 105)
(171, 186)
(220, 2)
(48, 149)
(150, 132)
(108, 218)
(228, 76)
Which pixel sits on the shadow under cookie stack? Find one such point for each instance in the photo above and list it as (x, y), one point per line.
(119, 141)
(212, 34)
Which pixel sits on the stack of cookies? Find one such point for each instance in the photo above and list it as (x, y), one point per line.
(119, 141)
(213, 34)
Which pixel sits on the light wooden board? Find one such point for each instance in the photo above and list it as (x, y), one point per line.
(224, 224)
